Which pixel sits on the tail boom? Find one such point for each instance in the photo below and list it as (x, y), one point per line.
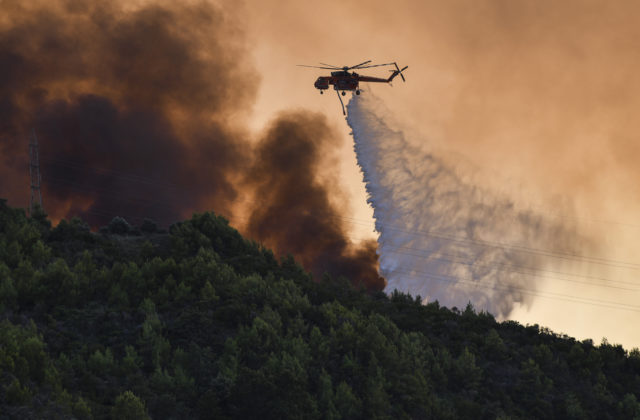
(397, 71)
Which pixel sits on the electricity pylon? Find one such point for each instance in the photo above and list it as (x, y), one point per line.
(34, 172)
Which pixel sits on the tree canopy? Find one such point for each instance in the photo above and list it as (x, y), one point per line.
(199, 322)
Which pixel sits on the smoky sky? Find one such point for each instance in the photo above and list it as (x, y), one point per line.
(129, 107)
(534, 99)
(138, 112)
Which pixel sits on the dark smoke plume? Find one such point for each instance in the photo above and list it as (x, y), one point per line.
(132, 106)
(293, 211)
(129, 107)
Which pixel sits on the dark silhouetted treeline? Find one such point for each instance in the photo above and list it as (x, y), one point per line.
(198, 322)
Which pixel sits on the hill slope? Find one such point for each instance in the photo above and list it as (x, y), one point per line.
(202, 323)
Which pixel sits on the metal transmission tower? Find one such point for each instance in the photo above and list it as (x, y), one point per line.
(34, 172)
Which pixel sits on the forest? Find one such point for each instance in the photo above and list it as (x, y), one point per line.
(137, 322)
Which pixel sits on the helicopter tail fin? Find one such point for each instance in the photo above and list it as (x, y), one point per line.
(397, 71)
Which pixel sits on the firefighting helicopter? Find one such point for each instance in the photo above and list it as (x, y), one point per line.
(343, 80)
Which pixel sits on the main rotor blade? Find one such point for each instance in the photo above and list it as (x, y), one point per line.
(376, 65)
(358, 65)
(316, 67)
(331, 65)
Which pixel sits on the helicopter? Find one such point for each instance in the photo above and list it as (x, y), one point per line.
(342, 79)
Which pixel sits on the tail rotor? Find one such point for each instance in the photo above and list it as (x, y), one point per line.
(399, 71)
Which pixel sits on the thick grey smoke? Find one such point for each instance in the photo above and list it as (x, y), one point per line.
(441, 236)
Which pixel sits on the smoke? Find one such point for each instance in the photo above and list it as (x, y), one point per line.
(129, 106)
(294, 212)
(138, 110)
(441, 236)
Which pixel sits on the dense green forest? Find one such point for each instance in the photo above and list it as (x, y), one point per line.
(198, 322)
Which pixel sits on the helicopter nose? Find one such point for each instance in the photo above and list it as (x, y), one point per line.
(321, 84)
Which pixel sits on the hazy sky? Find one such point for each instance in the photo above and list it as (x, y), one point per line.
(532, 99)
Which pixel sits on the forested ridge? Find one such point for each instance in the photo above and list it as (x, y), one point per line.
(198, 322)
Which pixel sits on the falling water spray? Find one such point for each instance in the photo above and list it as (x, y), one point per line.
(441, 236)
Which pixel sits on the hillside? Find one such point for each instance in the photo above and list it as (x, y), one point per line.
(198, 322)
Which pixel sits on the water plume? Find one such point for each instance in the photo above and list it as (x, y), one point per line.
(440, 235)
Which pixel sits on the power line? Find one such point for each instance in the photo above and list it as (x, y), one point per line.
(536, 293)
(505, 267)
(148, 202)
(510, 267)
(452, 279)
(517, 269)
(423, 233)
(519, 248)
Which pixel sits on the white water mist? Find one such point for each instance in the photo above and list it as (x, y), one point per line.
(441, 237)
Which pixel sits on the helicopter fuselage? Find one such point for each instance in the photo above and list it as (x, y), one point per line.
(344, 80)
